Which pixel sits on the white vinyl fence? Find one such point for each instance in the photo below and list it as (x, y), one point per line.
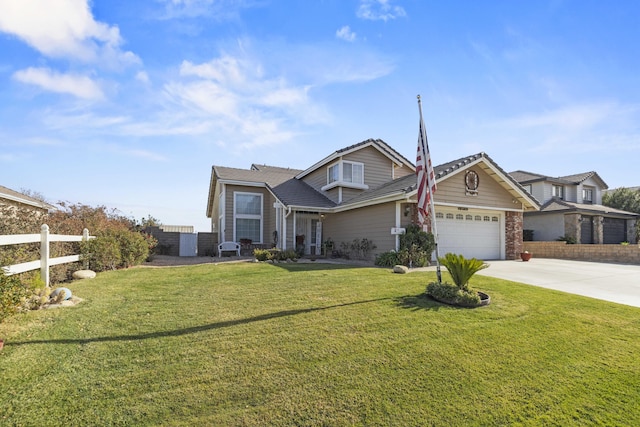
(44, 262)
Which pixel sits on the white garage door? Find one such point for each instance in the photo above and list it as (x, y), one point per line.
(472, 233)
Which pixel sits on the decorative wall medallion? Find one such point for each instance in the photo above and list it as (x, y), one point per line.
(471, 182)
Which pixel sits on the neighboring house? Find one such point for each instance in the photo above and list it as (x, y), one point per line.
(572, 207)
(368, 190)
(13, 198)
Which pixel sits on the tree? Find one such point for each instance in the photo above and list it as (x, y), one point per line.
(626, 199)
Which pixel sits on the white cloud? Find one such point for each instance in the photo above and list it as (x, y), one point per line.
(233, 95)
(217, 9)
(143, 77)
(345, 33)
(379, 10)
(73, 84)
(64, 29)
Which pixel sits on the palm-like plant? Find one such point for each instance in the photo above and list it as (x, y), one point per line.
(462, 269)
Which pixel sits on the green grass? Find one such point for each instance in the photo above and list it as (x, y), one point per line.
(258, 344)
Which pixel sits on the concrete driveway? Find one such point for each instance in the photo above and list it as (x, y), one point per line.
(610, 282)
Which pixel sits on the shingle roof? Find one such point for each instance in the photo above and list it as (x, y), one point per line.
(378, 143)
(269, 175)
(409, 183)
(295, 192)
(402, 185)
(557, 205)
(524, 177)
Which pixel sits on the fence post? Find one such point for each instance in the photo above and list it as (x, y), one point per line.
(44, 254)
(85, 238)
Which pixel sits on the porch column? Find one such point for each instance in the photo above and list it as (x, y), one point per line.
(598, 229)
(572, 227)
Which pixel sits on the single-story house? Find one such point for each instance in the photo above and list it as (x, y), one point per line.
(11, 198)
(572, 209)
(369, 190)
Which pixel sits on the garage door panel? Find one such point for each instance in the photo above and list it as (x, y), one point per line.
(474, 234)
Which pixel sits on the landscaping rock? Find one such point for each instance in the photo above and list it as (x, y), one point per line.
(84, 274)
(400, 269)
(56, 292)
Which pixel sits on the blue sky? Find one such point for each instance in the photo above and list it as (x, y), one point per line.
(128, 104)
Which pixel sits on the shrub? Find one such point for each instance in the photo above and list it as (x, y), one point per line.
(527, 235)
(452, 294)
(568, 239)
(262, 254)
(387, 259)
(101, 253)
(275, 254)
(416, 247)
(134, 248)
(12, 295)
(357, 248)
(462, 269)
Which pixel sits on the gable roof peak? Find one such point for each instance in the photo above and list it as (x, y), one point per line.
(378, 144)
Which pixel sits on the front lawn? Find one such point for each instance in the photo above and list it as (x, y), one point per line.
(259, 344)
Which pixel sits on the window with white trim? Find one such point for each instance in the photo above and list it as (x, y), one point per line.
(557, 191)
(587, 195)
(345, 173)
(247, 216)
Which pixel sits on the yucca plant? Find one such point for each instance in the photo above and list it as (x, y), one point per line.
(462, 269)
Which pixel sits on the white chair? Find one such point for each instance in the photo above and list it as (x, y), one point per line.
(228, 247)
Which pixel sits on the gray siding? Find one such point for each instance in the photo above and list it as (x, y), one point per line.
(490, 193)
(317, 179)
(378, 168)
(546, 227)
(268, 212)
(373, 223)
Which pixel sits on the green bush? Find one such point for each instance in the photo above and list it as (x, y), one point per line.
(570, 240)
(416, 247)
(462, 269)
(116, 249)
(452, 294)
(262, 254)
(134, 248)
(12, 295)
(387, 259)
(275, 254)
(101, 253)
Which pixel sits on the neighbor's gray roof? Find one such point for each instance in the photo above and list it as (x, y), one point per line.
(558, 205)
(524, 177)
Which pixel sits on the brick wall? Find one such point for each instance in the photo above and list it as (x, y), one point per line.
(628, 254)
(513, 235)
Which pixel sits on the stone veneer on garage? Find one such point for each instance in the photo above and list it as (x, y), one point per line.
(513, 234)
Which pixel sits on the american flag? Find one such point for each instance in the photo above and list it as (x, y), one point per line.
(426, 175)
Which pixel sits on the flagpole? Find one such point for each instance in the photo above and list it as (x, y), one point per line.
(432, 211)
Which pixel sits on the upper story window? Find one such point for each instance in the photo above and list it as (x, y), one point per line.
(347, 174)
(557, 191)
(587, 195)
